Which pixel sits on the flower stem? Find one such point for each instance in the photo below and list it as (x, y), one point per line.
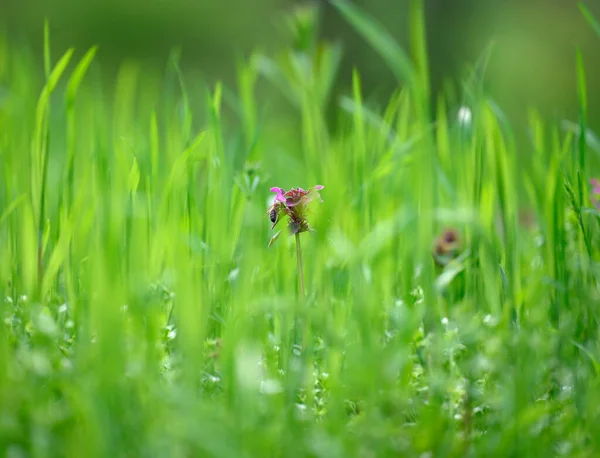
(300, 270)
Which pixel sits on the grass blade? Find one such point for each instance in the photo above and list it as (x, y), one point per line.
(589, 17)
(394, 56)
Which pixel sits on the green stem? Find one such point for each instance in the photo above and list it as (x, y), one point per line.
(300, 270)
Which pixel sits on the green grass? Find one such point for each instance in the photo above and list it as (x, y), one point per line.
(144, 315)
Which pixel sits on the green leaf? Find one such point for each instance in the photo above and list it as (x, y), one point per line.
(590, 18)
(419, 47)
(582, 93)
(78, 74)
(449, 274)
(47, 58)
(134, 176)
(154, 146)
(13, 205)
(590, 355)
(272, 240)
(48, 88)
(58, 256)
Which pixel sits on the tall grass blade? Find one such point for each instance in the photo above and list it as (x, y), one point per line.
(395, 57)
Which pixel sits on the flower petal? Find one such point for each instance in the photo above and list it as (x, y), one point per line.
(280, 193)
(319, 187)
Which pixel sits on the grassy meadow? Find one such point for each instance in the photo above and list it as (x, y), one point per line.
(451, 281)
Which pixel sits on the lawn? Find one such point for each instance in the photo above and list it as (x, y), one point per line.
(444, 302)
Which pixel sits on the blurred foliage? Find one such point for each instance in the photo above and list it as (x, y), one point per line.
(451, 286)
(532, 63)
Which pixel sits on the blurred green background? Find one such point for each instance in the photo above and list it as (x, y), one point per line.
(534, 40)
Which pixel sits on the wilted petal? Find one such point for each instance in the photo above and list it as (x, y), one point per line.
(315, 190)
(294, 227)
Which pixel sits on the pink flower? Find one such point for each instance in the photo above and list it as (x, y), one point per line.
(294, 204)
(595, 194)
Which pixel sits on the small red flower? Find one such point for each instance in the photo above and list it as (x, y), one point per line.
(294, 204)
(446, 247)
(595, 194)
